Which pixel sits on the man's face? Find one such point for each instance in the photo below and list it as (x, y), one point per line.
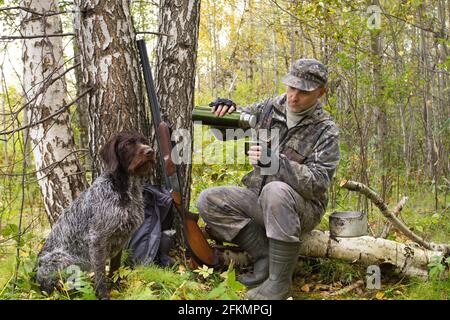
(299, 100)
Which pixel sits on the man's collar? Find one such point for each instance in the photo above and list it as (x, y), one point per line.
(315, 114)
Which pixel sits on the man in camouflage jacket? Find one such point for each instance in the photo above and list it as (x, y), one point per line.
(268, 217)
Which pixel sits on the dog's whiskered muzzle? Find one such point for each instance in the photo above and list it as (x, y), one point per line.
(151, 154)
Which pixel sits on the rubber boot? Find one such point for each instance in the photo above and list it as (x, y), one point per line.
(283, 257)
(253, 240)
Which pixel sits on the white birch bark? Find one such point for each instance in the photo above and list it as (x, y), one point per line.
(109, 61)
(175, 67)
(58, 171)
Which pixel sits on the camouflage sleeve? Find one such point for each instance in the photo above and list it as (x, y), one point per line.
(257, 108)
(252, 108)
(312, 178)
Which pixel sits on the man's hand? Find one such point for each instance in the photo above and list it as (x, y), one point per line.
(222, 106)
(254, 155)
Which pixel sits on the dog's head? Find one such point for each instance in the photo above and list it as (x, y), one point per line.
(128, 152)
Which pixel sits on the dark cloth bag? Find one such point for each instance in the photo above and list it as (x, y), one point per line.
(152, 241)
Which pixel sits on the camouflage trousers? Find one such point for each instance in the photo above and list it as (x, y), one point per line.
(280, 209)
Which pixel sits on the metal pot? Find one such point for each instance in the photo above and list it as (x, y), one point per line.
(348, 224)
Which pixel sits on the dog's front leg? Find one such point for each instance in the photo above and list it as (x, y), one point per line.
(114, 266)
(97, 253)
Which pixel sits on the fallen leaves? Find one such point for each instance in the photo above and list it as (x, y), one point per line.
(321, 288)
(305, 288)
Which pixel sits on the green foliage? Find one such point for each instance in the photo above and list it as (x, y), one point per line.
(24, 285)
(208, 167)
(75, 286)
(331, 271)
(10, 230)
(445, 126)
(122, 273)
(427, 290)
(438, 266)
(155, 283)
(229, 288)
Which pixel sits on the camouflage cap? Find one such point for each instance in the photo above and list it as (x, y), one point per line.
(307, 75)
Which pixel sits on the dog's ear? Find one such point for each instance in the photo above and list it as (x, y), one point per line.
(109, 155)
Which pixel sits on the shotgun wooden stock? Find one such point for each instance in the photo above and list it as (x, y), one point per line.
(201, 251)
(166, 148)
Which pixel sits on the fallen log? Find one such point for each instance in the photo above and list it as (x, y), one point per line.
(407, 258)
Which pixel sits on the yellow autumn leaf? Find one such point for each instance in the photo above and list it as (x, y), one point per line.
(321, 287)
(379, 295)
(181, 269)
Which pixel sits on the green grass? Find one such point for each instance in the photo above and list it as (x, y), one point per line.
(178, 283)
(7, 265)
(141, 283)
(164, 284)
(431, 290)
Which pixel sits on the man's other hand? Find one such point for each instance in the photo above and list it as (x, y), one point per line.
(254, 155)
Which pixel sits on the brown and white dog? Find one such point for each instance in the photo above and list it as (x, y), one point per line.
(98, 224)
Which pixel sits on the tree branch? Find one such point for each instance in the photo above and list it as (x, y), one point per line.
(46, 14)
(378, 201)
(395, 212)
(64, 108)
(50, 167)
(439, 34)
(44, 87)
(37, 36)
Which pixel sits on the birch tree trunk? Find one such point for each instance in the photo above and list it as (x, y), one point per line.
(275, 60)
(293, 36)
(379, 106)
(444, 88)
(109, 61)
(175, 68)
(215, 46)
(427, 111)
(82, 107)
(59, 174)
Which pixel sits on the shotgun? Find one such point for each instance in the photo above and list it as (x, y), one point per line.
(201, 252)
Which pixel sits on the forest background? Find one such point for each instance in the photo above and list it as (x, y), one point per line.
(388, 92)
